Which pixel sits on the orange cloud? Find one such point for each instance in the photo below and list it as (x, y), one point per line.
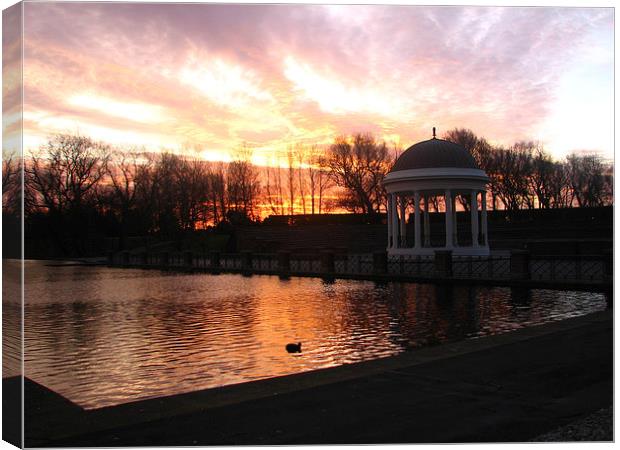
(212, 76)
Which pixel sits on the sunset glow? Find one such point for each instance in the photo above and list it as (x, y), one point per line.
(131, 111)
(215, 77)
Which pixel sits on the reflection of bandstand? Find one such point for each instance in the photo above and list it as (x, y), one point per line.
(438, 170)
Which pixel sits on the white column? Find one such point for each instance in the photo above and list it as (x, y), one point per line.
(416, 220)
(455, 241)
(449, 227)
(395, 233)
(485, 234)
(427, 224)
(474, 218)
(389, 220)
(403, 222)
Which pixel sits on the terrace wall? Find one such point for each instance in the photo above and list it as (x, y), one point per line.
(554, 231)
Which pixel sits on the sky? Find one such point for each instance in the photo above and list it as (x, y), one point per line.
(208, 79)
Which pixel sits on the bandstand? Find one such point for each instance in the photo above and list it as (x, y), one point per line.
(435, 173)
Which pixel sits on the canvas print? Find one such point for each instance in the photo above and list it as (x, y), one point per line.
(298, 224)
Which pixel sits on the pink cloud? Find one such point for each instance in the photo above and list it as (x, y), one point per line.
(392, 70)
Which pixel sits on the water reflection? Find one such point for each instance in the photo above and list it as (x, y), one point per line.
(103, 336)
(11, 318)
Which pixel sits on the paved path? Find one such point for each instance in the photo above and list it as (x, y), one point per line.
(595, 427)
(511, 387)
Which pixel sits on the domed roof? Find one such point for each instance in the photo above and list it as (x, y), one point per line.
(435, 153)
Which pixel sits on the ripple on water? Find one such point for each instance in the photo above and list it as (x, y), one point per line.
(102, 336)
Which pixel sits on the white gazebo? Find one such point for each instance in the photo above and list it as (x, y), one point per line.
(436, 172)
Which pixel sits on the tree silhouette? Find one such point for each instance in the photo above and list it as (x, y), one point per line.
(11, 184)
(243, 185)
(358, 165)
(590, 182)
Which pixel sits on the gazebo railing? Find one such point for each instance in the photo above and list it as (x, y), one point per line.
(516, 266)
(481, 267)
(562, 268)
(354, 264)
(422, 266)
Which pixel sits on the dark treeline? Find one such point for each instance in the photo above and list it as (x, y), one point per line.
(525, 176)
(78, 188)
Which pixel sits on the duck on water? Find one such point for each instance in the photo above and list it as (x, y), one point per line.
(293, 348)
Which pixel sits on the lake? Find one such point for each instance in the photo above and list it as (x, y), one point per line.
(102, 336)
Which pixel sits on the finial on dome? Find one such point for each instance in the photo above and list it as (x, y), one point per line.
(434, 137)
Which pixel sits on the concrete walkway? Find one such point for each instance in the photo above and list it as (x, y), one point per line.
(507, 388)
(595, 427)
